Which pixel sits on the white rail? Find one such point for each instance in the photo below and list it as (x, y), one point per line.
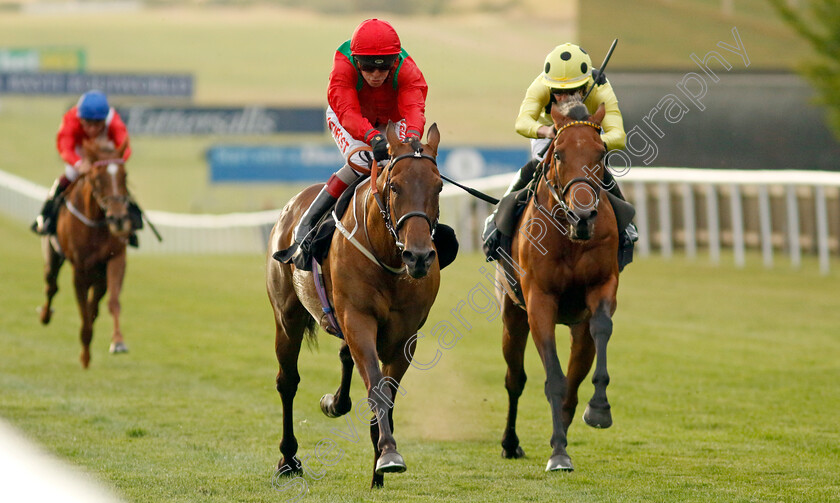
(777, 212)
(787, 213)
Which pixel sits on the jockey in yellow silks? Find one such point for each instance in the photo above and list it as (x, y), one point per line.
(567, 73)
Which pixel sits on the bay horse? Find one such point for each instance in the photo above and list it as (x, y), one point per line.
(382, 282)
(566, 256)
(93, 226)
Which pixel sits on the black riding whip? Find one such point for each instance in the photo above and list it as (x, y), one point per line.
(472, 192)
(601, 70)
(152, 226)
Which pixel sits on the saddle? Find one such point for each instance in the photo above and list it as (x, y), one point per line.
(445, 239)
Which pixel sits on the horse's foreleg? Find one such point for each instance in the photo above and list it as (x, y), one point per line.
(361, 333)
(387, 462)
(541, 313)
(514, 339)
(82, 287)
(115, 274)
(580, 362)
(52, 264)
(339, 404)
(597, 412)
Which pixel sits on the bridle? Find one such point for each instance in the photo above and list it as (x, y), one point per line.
(385, 208)
(101, 201)
(385, 211)
(558, 194)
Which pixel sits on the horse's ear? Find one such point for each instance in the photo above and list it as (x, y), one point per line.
(391, 136)
(599, 114)
(433, 137)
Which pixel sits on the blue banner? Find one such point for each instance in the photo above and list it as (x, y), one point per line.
(313, 163)
(124, 84)
(175, 120)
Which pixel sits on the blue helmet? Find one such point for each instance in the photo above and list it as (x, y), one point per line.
(93, 106)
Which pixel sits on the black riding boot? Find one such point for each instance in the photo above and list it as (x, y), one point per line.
(300, 252)
(45, 223)
(627, 236)
(322, 202)
(523, 178)
(135, 214)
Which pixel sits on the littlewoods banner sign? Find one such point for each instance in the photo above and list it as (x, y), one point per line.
(222, 120)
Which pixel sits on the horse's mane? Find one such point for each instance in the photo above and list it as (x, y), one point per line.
(573, 108)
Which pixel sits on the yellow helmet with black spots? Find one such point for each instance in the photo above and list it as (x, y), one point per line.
(567, 67)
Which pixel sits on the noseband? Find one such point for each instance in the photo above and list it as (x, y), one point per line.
(384, 207)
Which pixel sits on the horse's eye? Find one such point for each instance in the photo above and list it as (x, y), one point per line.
(394, 188)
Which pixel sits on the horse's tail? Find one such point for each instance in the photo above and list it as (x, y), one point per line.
(310, 333)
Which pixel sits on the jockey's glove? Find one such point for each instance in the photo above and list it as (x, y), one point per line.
(380, 147)
(599, 78)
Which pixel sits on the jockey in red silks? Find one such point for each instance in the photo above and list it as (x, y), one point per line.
(373, 81)
(91, 118)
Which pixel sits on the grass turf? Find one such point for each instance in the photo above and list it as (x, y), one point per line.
(721, 390)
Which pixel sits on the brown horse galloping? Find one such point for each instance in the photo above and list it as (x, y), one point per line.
(566, 258)
(92, 230)
(381, 275)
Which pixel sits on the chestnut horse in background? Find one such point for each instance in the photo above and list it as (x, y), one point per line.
(381, 275)
(566, 255)
(92, 231)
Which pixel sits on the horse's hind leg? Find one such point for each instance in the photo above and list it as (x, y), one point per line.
(580, 362)
(514, 339)
(290, 327)
(339, 404)
(52, 264)
(597, 412)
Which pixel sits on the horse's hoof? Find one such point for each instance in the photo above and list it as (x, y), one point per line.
(287, 469)
(118, 347)
(559, 462)
(327, 405)
(516, 454)
(45, 315)
(390, 462)
(85, 359)
(597, 417)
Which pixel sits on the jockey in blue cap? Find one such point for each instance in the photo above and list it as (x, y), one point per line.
(92, 117)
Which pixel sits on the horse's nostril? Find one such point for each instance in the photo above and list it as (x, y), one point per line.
(409, 258)
(430, 257)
